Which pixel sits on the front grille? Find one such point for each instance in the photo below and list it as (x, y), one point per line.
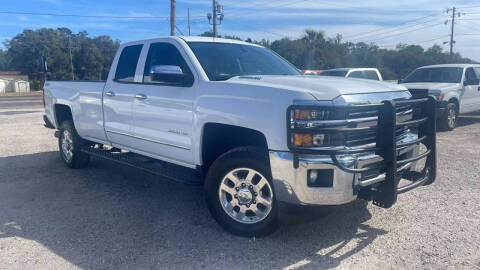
(418, 93)
(370, 118)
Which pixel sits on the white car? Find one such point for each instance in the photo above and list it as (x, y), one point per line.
(456, 87)
(245, 123)
(357, 73)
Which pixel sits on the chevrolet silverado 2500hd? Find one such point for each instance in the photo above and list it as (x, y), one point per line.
(242, 121)
(456, 87)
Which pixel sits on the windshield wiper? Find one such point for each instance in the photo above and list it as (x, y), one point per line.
(223, 77)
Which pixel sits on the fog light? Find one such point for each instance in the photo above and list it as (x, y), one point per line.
(312, 176)
(320, 178)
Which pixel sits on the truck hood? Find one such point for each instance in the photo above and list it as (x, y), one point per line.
(320, 87)
(432, 86)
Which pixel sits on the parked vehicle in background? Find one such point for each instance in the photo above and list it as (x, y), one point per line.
(456, 87)
(244, 122)
(311, 71)
(358, 73)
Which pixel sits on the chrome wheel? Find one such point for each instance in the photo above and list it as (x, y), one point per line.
(67, 145)
(246, 195)
(452, 117)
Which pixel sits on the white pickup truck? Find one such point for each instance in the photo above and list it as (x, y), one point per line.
(456, 87)
(245, 123)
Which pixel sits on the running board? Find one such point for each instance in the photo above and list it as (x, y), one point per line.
(164, 169)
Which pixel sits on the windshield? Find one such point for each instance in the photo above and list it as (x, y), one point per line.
(222, 61)
(336, 73)
(437, 74)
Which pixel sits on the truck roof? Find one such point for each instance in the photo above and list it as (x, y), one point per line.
(348, 69)
(452, 65)
(195, 39)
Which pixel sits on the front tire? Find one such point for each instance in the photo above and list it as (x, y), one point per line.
(448, 121)
(239, 192)
(70, 144)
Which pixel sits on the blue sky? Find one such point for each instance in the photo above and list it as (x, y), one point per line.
(383, 22)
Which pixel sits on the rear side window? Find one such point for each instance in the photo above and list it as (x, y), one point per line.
(371, 75)
(127, 64)
(470, 74)
(356, 74)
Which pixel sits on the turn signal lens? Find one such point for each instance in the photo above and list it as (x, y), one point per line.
(317, 140)
(302, 114)
(304, 140)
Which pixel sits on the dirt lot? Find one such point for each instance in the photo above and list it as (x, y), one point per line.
(109, 216)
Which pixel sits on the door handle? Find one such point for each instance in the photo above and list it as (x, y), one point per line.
(110, 94)
(140, 96)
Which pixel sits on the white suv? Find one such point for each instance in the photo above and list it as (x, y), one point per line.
(456, 87)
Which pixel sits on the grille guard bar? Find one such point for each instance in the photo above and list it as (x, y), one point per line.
(385, 193)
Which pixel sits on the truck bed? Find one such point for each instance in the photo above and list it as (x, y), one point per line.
(84, 98)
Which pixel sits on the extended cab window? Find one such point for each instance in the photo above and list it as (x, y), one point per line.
(127, 64)
(371, 75)
(470, 74)
(163, 56)
(356, 74)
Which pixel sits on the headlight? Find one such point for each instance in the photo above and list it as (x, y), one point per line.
(310, 114)
(305, 123)
(437, 94)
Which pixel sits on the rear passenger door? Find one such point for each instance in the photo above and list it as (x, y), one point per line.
(470, 94)
(163, 111)
(476, 106)
(118, 97)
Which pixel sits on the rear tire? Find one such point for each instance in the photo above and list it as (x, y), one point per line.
(448, 121)
(70, 145)
(239, 192)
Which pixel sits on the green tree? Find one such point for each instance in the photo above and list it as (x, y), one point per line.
(4, 61)
(91, 57)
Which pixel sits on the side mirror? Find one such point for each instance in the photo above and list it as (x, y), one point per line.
(399, 81)
(169, 74)
(471, 82)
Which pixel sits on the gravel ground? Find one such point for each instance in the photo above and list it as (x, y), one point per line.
(111, 217)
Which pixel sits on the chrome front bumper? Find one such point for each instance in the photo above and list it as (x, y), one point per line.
(290, 183)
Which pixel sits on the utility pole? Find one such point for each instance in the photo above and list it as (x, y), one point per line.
(452, 41)
(71, 59)
(451, 34)
(217, 10)
(188, 11)
(172, 17)
(214, 7)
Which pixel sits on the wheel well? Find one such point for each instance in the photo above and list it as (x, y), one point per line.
(220, 138)
(455, 101)
(62, 113)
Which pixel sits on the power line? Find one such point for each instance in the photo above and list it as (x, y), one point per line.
(418, 42)
(259, 29)
(406, 32)
(400, 27)
(88, 16)
(265, 5)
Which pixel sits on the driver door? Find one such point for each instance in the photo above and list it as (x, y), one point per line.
(163, 108)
